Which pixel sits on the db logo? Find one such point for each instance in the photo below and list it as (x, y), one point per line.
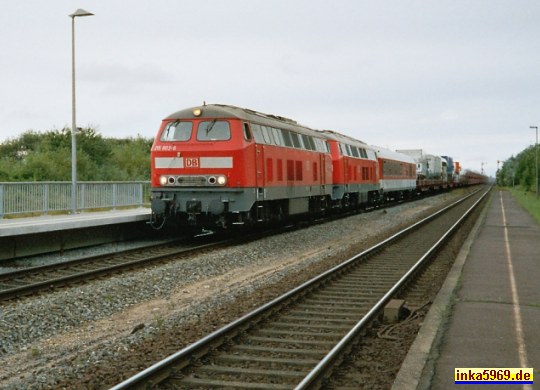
(191, 162)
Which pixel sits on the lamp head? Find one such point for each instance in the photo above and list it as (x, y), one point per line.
(80, 12)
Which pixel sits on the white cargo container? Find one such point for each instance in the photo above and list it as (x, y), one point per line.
(434, 167)
(428, 166)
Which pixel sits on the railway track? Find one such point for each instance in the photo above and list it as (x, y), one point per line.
(295, 340)
(34, 279)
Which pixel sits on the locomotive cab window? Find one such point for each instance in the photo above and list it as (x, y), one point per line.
(214, 131)
(177, 131)
(247, 133)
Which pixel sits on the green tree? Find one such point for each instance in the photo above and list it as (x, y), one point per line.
(133, 158)
(506, 175)
(519, 170)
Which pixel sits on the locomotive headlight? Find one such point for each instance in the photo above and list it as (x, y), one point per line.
(197, 111)
(222, 180)
(163, 180)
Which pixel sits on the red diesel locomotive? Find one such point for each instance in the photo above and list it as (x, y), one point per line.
(355, 179)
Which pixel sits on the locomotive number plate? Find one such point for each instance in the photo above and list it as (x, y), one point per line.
(192, 162)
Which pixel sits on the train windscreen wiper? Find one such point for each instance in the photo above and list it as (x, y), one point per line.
(210, 126)
(170, 126)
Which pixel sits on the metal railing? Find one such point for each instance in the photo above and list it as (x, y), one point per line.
(46, 197)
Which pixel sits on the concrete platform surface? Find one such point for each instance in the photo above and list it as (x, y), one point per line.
(50, 223)
(488, 312)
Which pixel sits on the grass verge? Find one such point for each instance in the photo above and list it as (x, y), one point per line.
(528, 201)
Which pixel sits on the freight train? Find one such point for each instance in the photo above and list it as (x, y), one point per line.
(219, 166)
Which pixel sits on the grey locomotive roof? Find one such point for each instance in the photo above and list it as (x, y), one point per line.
(226, 111)
(343, 138)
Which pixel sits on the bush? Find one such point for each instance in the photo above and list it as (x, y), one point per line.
(47, 157)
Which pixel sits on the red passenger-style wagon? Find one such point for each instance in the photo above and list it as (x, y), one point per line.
(397, 174)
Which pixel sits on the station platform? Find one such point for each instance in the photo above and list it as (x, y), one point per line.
(487, 314)
(20, 237)
(48, 223)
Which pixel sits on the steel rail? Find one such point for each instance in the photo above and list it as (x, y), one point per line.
(158, 371)
(78, 276)
(325, 364)
(81, 260)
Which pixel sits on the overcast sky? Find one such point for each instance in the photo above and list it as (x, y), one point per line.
(457, 77)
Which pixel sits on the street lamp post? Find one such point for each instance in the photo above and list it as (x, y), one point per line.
(536, 159)
(78, 13)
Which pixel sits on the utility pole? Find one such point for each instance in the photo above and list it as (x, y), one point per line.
(536, 160)
(78, 13)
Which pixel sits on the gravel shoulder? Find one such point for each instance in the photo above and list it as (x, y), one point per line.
(95, 335)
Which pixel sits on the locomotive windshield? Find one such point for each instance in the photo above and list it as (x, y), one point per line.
(177, 131)
(214, 131)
